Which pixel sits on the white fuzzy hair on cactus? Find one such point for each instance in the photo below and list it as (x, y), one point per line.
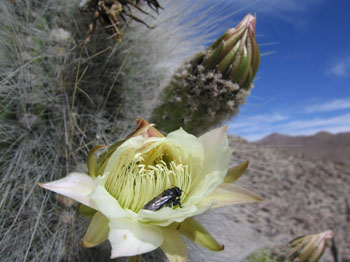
(57, 99)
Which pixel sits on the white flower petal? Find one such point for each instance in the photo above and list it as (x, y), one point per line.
(102, 201)
(190, 144)
(132, 143)
(216, 150)
(76, 185)
(216, 162)
(131, 238)
(166, 215)
(230, 194)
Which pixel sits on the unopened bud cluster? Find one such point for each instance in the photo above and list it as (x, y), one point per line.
(210, 87)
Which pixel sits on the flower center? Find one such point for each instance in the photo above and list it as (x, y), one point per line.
(139, 177)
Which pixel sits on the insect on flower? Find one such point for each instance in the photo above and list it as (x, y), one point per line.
(170, 198)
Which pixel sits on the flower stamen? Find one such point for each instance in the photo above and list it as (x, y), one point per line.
(137, 181)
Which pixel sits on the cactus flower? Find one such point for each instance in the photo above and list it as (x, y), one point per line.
(310, 247)
(130, 173)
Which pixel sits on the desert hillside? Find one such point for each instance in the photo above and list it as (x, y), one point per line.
(301, 197)
(321, 146)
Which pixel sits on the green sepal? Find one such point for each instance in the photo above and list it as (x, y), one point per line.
(212, 60)
(134, 258)
(248, 56)
(227, 61)
(256, 57)
(231, 42)
(86, 211)
(248, 81)
(240, 61)
(92, 162)
(218, 41)
(234, 173)
(103, 158)
(194, 231)
(97, 231)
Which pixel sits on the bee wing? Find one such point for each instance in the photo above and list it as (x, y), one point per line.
(157, 203)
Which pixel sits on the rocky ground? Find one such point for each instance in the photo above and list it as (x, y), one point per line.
(301, 197)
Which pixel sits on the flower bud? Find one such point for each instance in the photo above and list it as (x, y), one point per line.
(209, 88)
(235, 54)
(310, 247)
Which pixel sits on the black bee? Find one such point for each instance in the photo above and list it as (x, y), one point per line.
(169, 198)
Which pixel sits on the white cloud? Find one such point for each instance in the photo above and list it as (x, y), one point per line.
(255, 127)
(334, 105)
(255, 137)
(279, 5)
(330, 129)
(284, 10)
(254, 123)
(255, 130)
(298, 126)
(340, 69)
(268, 118)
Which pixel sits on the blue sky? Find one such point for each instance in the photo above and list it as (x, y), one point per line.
(302, 86)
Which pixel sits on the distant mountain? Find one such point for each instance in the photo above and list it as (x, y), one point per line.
(321, 146)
